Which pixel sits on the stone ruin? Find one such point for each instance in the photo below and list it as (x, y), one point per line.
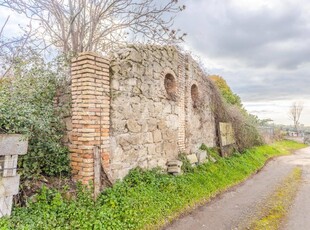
(142, 106)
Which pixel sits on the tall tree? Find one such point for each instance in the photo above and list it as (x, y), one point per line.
(92, 25)
(295, 112)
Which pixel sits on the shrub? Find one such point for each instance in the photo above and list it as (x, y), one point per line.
(26, 107)
(244, 124)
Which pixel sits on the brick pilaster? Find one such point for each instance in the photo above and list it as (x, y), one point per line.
(181, 102)
(90, 90)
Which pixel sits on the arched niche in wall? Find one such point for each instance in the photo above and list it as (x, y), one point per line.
(195, 95)
(171, 86)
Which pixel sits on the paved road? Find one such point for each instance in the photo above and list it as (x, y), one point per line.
(237, 206)
(299, 214)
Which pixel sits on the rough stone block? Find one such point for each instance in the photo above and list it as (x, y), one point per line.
(159, 148)
(174, 163)
(13, 144)
(201, 156)
(152, 124)
(174, 169)
(133, 126)
(192, 159)
(157, 137)
(170, 149)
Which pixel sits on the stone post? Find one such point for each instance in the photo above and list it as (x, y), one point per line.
(90, 90)
(11, 145)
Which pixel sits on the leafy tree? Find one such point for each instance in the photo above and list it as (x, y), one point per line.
(225, 90)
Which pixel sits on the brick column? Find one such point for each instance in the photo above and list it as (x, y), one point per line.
(181, 102)
(188, 106)
(90, 114)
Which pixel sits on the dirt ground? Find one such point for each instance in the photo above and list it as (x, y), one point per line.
(235, 208)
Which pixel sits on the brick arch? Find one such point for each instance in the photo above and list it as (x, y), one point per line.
(167, 70)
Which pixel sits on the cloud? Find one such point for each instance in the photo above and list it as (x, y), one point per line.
(258, 38)
(260, 47)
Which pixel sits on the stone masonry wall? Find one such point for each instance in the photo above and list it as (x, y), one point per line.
(200, 124)
(150, 122)
(142, 108)
(62, 103)
(144, 118)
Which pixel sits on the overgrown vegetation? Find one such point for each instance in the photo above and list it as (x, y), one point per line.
(227, 107)
(27, 107)
(144, 199)
(226, 92)
(186, 165)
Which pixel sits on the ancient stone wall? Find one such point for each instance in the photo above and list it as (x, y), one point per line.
(62, 104)
(200, 124)
(143, 107)
(154, 114)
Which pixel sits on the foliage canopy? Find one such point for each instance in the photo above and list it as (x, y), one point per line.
(226, 92)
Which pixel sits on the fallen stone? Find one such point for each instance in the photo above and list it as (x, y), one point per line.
(174, 169)
(212, 159)
(201, 156)
(192, 159)
(174, 163)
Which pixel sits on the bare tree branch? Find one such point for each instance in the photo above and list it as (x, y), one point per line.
(295, 112)
(3, 26)
(92, 25)
(11, 48)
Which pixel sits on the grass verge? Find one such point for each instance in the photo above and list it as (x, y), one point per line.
(144, 199)
(275, 208)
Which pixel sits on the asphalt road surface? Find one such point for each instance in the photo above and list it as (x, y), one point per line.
(239, 205)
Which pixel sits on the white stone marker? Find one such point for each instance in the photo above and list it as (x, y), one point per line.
(11, 145)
